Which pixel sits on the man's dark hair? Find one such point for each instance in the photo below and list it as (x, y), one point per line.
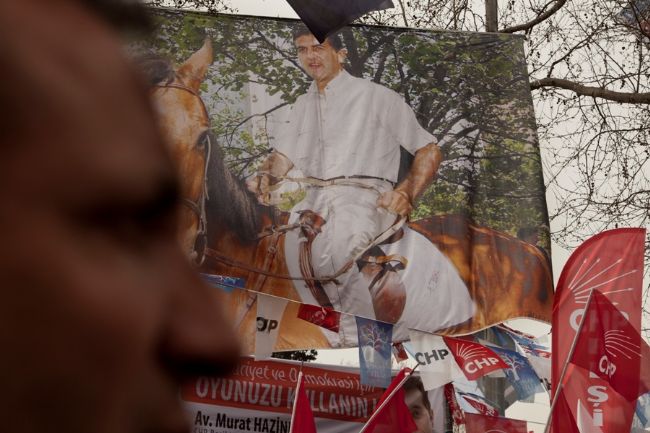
(334, 39)
(415, 383)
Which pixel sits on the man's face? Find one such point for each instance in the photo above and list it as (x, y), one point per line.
(321, 61)
(101, 316)
(422, 416)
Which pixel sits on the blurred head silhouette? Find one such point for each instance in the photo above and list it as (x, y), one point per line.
(102, 317)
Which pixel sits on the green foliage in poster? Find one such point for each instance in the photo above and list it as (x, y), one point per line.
(470, 90)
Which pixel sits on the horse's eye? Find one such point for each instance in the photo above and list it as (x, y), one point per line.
(204, 141)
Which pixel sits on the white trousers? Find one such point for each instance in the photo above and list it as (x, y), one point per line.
(436, 295)
(353, 221)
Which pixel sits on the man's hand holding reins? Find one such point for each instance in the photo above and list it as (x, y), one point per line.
(274, 167)
(260, 186)
(396, 201)
(422, 172)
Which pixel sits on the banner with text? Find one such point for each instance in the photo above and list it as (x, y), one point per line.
(258, 398)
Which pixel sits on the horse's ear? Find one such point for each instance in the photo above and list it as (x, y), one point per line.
(192, 72)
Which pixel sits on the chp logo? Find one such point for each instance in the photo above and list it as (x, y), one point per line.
(435, 355)
(617, 344)
(608, 278)
(266, 325)
(318, 317)
(481, 407)
(474, 359)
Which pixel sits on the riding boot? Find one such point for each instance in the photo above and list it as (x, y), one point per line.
(387, 290)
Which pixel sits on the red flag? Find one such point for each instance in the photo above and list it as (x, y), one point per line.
(321, 316)
(479, 404)
(474, 359)
(302, 418)
(399, 352)
(564, 416)
(457, 415)
(588, 403)
(611, 262)
(608, 346)
(475, 423)
(392, 414)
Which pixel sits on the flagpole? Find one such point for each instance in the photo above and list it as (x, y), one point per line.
(385, 402)
(566, 363)
(295, 400)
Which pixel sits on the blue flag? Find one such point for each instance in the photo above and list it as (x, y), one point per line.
(324, 17)
(528, 345)
(375, 340)
(227, 284)
(521, 375)
(643, 409)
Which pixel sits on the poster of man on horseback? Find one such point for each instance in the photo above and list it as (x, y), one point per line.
(383, 173)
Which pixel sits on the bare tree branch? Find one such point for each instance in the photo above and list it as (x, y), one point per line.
(541, 17)
(596, 92)
(401, 5)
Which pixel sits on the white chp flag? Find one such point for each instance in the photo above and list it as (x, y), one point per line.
(437, 364)
(270, 310)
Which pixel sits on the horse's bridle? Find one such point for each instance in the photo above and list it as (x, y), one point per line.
(197, 206)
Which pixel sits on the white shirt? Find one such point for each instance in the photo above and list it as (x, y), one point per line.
(355, 127)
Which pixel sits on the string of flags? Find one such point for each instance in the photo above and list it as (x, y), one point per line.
(606, 352)
(443, 358)
(470, 360)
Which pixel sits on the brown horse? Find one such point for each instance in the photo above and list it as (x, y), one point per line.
(233, 216)
(185, 125)
(506, 277)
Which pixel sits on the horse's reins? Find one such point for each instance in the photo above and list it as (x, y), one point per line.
(273, 230)
(197, 206)
(263, 273)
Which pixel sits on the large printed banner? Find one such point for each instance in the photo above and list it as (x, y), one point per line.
(389, 174)
(259, 397)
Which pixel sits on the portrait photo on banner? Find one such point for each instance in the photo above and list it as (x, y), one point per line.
(387, 173)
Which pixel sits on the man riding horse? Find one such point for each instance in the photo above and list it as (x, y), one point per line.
(344, 137)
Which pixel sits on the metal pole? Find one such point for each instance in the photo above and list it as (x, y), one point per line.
(566, 364)
(295, 400)
(491, 16)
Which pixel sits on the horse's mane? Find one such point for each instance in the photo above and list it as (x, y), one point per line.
(155, 69)
(230, 204)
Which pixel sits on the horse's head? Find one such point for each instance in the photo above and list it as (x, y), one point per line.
(185, 125)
